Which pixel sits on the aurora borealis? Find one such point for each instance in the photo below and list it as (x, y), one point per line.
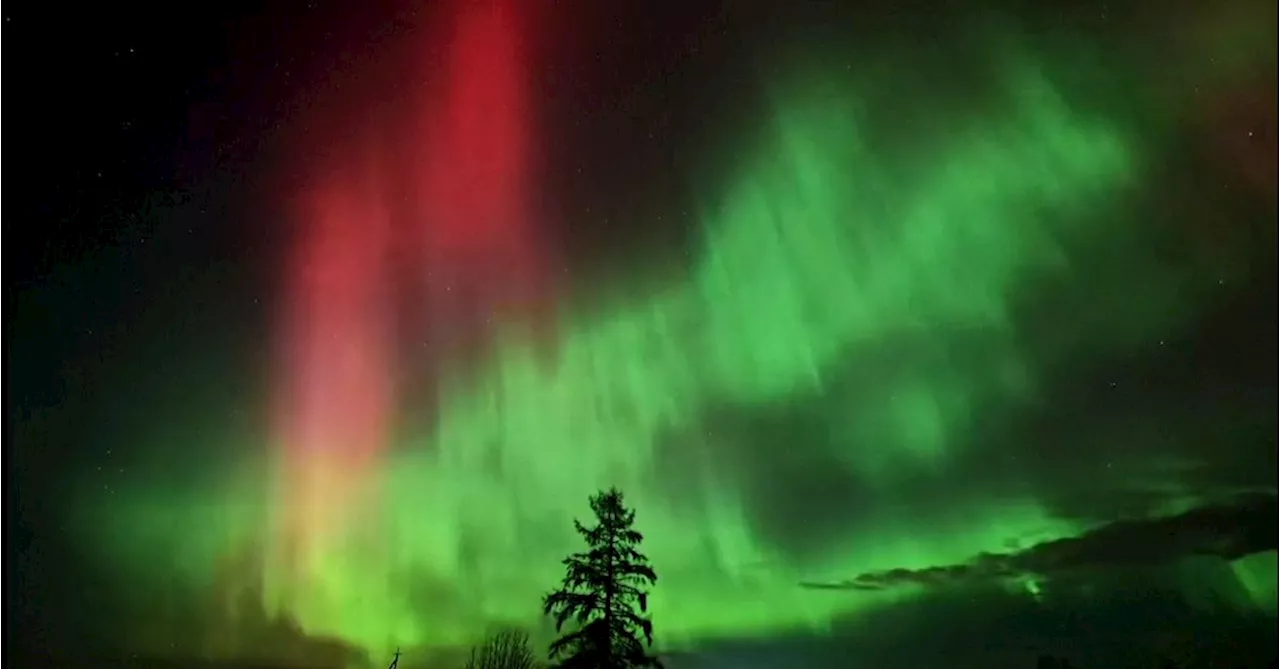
(940, 329)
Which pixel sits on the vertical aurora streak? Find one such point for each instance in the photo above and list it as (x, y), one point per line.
(478, 250)
(464, 240)
(336, 395)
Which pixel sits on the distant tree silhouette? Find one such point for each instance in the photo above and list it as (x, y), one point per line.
(601, 592)
(1051, 662)
(504, 649)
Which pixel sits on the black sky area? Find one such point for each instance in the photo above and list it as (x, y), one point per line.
(149, 143)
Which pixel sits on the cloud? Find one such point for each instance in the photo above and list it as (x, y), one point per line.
(1245, 526)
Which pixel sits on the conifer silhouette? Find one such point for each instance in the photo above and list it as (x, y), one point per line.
(604, 594)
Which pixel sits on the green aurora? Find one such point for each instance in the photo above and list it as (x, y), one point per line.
(878, 291)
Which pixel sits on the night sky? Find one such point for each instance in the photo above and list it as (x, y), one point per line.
(916, 334)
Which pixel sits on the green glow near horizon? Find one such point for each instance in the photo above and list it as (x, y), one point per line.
(814, 259)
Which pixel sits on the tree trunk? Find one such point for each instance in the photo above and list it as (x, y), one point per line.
(608, 603)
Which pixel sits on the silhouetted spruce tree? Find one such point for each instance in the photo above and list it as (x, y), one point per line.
(604, 594)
